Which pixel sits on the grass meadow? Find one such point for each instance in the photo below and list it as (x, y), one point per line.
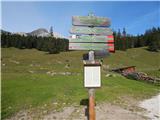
(36, 80)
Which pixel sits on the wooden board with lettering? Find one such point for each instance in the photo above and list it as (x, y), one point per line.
(91, 46)
(90, 21)
(90, 31)
(103, 39)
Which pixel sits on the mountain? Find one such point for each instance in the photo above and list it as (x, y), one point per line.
(6, 32)
(21, 33)
(44, 33)
(57, 35)
(39, 32)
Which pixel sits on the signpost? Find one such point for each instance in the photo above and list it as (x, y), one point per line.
(92, 33)
(97, 39)
(90, 30)
(91, 46)
(90, 21)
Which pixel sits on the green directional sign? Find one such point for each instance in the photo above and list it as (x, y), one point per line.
(88, 46)
(87, 38)
(89, 30)
(90, 21)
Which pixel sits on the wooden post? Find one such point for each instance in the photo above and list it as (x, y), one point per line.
(91, 92)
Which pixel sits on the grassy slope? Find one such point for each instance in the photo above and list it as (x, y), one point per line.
(22, 89)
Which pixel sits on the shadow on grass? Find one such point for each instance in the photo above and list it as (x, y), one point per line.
(84, 102)
(154, 51)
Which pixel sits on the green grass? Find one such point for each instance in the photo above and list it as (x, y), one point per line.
(25, 85)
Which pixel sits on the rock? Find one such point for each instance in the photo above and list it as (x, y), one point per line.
(14, 61)
(31, 71)
(55, 103)
(108, 75)
(51, 73)
(105, 67)
(59, 62)
(45, 111)
(67, 66)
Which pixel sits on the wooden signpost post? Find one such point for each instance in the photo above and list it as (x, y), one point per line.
(92, 33)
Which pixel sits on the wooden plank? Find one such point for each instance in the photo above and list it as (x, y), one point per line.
(90, 21)
(89, 30)
(102, 39)
(90, 46)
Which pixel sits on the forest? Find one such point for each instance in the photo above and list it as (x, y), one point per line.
(49, 44)
(123, 41)
(151, 39)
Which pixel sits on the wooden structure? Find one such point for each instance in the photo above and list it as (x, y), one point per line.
(125, 70)
(91, 33)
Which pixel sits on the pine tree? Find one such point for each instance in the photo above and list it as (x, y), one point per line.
(51, 31)
(124, 39)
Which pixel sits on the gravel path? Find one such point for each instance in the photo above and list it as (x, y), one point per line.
(152, 107)
(145, 110)
(103, 112)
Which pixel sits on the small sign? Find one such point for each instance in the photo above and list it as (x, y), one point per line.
(87, 38)
(90, 21)
(92, 75)
(90, 30)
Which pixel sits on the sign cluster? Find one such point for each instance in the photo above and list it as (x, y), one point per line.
(92, 33)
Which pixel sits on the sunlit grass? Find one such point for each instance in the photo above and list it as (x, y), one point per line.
(26, 84)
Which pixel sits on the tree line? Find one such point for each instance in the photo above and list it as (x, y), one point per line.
(49, 44)
(123, 41)
(150, 38)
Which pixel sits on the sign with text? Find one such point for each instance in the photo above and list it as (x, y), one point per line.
(91, 46)
(91, 33)
(90, 30)
(92, 75)
(103, 39)
(90, 21)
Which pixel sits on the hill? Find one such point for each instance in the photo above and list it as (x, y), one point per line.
(40, 32)
(39, 81)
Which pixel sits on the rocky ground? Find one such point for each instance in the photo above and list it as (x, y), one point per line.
(104, 111)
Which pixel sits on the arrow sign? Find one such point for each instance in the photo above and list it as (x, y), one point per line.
(102, 39)
(90, 21)
(89, 30)
(91, 46)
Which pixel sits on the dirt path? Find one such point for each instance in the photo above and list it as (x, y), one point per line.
(103, 112)
(152, 107)
(145, 110)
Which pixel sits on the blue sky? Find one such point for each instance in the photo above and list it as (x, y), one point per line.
(136, 17)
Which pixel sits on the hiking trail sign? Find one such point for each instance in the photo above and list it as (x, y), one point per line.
(91, 33)
(90, 21)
